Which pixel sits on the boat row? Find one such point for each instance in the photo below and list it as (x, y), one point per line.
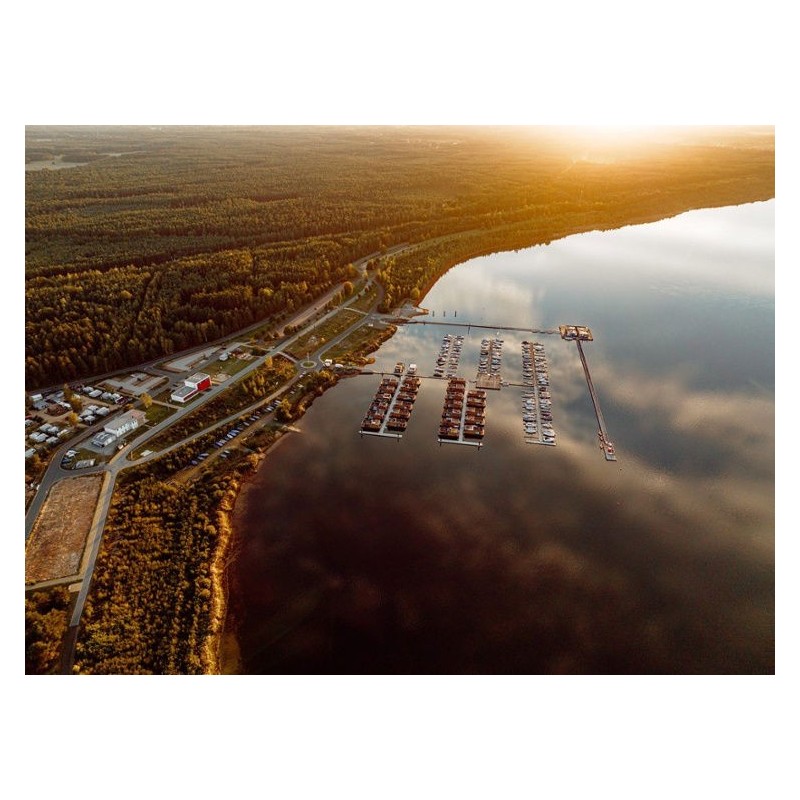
(464, 413)
(537, 406)
(449, 356)
(391, 407)
(491, 356)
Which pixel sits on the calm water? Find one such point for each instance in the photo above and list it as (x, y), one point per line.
(367, 555)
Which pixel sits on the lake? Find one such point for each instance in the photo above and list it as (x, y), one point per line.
(367, 555)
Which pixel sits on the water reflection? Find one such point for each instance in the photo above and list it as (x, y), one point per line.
(371, 556)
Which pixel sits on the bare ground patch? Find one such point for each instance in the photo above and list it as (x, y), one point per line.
(56, 543)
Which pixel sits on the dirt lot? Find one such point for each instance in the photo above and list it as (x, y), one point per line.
(57, 540)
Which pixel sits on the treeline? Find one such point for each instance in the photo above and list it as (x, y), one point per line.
(193, 233)
(46, 620)
(87, 323)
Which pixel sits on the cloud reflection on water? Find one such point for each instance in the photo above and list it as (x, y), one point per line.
(373, 556)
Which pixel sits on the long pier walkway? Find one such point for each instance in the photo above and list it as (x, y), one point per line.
(606, 445)
(469, 325)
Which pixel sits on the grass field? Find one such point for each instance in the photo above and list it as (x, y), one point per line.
(158, 413)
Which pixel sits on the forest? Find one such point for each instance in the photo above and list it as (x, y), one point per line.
(168, 237)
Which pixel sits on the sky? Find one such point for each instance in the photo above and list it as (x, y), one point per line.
(611, 63)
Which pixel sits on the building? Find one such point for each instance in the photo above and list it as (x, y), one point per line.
(103, 439)
(198, 381)
(183, 393)
(124, 423)
(191, 386)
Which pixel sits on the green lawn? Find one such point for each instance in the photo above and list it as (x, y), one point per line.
(158, 413)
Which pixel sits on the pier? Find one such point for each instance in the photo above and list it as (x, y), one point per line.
(606, 445)
(469, 325)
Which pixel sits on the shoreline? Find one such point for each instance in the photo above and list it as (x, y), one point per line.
(218, 657)
(225, 555)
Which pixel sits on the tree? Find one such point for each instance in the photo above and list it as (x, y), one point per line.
(73, 419)
(347, 288)
(147, 401)
(284, 410)
(68, 393)
(75, 403)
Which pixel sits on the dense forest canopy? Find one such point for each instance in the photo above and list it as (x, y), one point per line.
(167, 237)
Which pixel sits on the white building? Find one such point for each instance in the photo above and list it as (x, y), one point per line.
(183, 393)
(124, 423)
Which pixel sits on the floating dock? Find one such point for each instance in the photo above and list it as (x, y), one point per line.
(463, 415)
(390, 411)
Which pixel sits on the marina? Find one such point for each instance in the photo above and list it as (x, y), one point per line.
(390, 410)
(463, 414)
